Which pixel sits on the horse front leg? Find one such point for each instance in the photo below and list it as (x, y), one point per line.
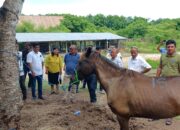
(123, 122)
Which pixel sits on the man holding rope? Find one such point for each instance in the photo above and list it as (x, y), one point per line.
(70, 62)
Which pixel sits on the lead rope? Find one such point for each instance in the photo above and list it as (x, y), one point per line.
(76, 80)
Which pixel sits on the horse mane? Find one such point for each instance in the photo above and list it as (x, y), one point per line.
(115, 68)
(109, 62)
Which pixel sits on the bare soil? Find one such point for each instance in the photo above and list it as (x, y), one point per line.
(54, 113)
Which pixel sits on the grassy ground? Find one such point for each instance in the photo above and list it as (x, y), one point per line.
(153, 63)
(145, 47)
(142, 46)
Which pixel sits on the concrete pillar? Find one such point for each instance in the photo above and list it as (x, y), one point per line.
(85, 44)
(119, 44)
(49, 47)
(66, 46)
(107, 44)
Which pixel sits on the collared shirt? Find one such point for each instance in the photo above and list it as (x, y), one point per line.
(71, 61)
(108, 55)
(117, 61)
(53, 63)
(138, 64)
(170, 65)
(36, 59)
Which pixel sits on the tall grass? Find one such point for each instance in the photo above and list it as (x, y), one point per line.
(154, 63)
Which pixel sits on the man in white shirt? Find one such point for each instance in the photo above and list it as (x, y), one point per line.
(116, 59)
(137, 63)
(35, 61)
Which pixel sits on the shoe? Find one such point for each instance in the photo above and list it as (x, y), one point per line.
(57, 92)
(24, 98)
(102, 92)
(93, 102)
(33, 98)
(168, 121)
(41, 98)
(53, 92)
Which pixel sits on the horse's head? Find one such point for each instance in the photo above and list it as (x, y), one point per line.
(86, 64)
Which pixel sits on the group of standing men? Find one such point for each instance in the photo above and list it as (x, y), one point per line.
(31, 62)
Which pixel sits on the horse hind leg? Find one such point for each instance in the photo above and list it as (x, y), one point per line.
(123, 122)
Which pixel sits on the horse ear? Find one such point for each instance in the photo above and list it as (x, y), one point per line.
(88, 51)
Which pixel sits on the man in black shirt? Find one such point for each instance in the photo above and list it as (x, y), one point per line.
(27, 49)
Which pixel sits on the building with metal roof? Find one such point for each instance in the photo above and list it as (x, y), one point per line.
(64, 40)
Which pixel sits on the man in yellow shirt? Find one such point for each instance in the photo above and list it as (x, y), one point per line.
(54, 65)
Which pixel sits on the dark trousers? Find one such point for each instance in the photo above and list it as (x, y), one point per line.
(84, 83)
(92, 85)
(26, 70)
(22, 86)
(70, 86)
(39, 81)
(100, 88)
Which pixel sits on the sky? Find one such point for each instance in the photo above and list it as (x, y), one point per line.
(151, 9)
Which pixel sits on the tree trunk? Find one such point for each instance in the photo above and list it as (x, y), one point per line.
(10, 95)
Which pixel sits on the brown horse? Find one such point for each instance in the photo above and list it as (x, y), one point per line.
(131, 94)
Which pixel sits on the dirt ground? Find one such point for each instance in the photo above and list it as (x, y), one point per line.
(56, 114)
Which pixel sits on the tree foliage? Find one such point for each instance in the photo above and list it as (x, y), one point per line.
(131, 27)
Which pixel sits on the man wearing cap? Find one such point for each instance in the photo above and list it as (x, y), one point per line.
(137, 63)
(169, 65)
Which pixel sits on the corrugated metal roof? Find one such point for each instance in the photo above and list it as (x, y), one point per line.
(50, 37)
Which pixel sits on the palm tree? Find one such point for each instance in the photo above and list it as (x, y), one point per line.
(10, 96)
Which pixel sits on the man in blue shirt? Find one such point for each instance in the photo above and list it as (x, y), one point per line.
(71, 60)
(162, 50)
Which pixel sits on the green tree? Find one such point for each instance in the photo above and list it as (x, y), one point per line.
(25, 27)
(78, 24)
(116, 22)
(137, 28)
(98, 20)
